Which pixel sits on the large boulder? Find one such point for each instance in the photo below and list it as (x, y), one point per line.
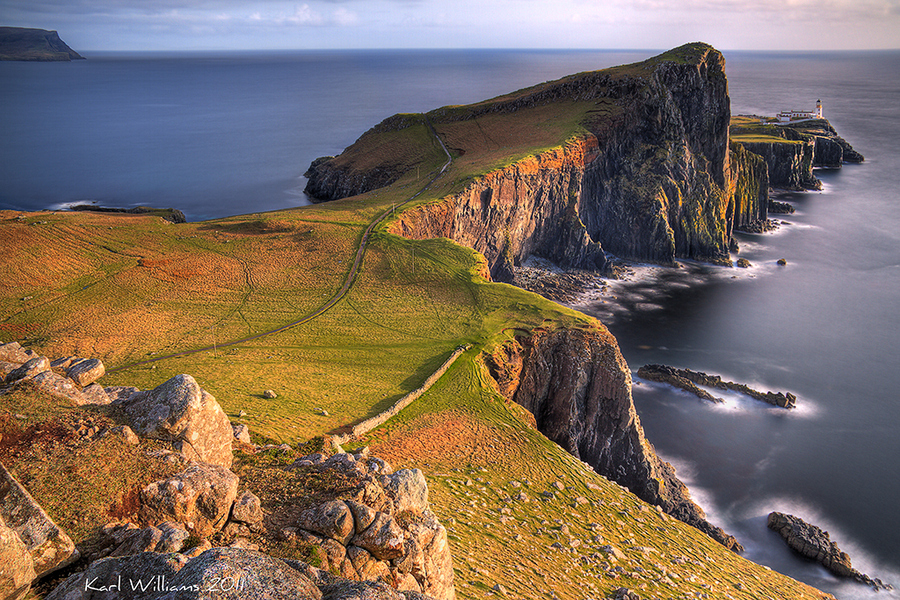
(811, 542)
(200, 497)
(181, 412)
(332, 519)
(408, 489)
(49, 546)
(60, 387)
(14, 353)
(28, 370)
(16, 565)
(85, 371)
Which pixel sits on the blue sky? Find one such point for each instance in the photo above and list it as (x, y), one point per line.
(639, 24)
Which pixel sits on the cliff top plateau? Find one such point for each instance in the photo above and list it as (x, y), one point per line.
(20, 43)
(302, 323)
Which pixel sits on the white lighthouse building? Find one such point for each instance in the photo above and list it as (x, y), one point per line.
(793, 115)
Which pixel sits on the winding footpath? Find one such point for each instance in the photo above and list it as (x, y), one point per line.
(341, 293)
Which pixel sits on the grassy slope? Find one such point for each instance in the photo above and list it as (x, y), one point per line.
(126, 288)
(749, 129)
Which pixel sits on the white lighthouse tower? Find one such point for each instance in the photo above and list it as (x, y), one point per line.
(818, 112)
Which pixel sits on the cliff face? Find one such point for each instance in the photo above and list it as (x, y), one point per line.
(790, 164)
(528, 208)
(578, 387)
(750, 181)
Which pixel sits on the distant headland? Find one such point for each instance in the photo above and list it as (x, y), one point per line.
(20, 43)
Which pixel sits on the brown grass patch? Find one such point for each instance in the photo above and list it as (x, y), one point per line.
(448, 438)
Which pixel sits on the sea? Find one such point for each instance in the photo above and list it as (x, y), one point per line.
(218, 134)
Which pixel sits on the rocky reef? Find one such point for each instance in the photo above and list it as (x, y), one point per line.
(20, 43)
(576, 384)
(651, 176)
(814, 543)
(688, 380)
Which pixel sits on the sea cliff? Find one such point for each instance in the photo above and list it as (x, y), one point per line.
(648, 174)
(578, 387)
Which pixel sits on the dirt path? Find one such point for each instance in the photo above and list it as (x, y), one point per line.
(341, 293)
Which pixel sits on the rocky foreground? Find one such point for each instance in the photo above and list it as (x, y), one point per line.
(356, 528)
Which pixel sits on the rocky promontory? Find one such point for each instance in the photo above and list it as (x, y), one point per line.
(20, 43)
(648, 174)
(791, 150)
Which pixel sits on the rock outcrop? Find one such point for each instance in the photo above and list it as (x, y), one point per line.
(790, 162)
(70, 379)
(578, 387)
(181, 412)
(652, 179)
(220, 573)
(814, 543)
(48, 546)
(382, 529)
(200, 497)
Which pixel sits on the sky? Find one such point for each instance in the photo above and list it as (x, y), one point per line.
(123, 25)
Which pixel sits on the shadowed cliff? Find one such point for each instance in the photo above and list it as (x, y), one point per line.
(19, 43)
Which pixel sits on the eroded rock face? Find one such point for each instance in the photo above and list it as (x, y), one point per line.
(49, 546)
(381, 529)
(578, 387)
(200, 497)
(181, 412)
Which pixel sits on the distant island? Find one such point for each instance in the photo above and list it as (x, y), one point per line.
(20, 43)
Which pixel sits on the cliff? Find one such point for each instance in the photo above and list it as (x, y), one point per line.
(647, 172)
(19, 43)
(792, 150)
(576, 384)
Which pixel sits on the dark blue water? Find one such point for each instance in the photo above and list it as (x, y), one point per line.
(217, 135)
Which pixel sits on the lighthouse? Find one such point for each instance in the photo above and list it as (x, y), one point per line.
(819, 109)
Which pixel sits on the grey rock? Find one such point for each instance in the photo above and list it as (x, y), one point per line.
(85, 371)
(113, 578)
(16, 565)
(332, 519)
(14, 353)
(120, 393)
(409, 490)
(247, 509)
(200, 497)
(28, 370)
(59, 387)
(49, 546)
(95, 394)
(383, 538)
(241, 432)
(181, 412)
